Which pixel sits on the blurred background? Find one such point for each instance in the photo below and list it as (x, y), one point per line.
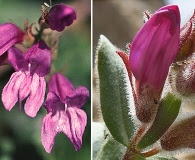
(20, 135)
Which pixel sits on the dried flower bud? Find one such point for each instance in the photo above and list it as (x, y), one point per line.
(185, 77)
(180, 136)
(60, 16)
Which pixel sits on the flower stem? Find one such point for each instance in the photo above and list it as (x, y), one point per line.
(138, 135)
(151, 152)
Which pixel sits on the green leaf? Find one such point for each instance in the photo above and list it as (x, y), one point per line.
(166, 115)
(114, 87)
(111, 150)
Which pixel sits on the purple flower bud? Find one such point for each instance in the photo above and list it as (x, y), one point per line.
(10, 35)
(155, 46)
(60, 16)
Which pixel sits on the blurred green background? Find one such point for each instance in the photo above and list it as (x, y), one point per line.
(20, 136)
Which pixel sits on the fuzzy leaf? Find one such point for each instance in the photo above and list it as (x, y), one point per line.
(114, 87)
(111, 149)
(166, 115)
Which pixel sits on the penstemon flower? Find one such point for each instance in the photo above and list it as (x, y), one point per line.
(28, 80)
(64, 113)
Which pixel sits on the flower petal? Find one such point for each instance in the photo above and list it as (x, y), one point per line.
(36, 98)
(53, 103)
(11, 89)
(78, 121)
(60, 85)
(16, 59)
(25, 87)
(10, 34)
(78, 98)
(53, 124)
(40, 58)
(155, 47)
(48, 132)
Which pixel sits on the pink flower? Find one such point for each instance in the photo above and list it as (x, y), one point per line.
(60, 16)
(63, 105)
(28, 81)
(10, 35)
(155, 47)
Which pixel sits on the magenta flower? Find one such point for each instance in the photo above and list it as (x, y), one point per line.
(28, 81)
(10, 35)
(63, 105)
(155, 47)
(60, 16)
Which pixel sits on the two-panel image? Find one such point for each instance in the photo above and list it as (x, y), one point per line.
(97, 80)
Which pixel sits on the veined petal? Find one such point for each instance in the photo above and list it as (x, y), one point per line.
(11, 89)
(10, 34)
(53, 124)
(60, 85)
(16, 59)
(36, 97)
(25, 87)
(78, 97)
(155, 47)
(40, 58)
(48, 132)
(78, 121)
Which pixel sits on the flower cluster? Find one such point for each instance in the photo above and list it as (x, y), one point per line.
(32, 64)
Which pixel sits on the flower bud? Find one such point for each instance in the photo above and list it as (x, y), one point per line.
(180, 136)
(155, 46)
(183, 81)
(153, 50)
(187, 42)
(60, 16)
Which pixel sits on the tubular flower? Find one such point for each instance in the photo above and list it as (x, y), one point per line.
(155, 46)
(63, 105)
(28, 80)
(10, 35)
(60, 16)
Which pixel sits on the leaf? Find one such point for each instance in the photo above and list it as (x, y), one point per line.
(114, 87)
(111, 150)
(166, 115)
(100, 133)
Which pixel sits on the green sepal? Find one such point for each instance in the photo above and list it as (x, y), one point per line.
(114, 88)
(167, 112)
